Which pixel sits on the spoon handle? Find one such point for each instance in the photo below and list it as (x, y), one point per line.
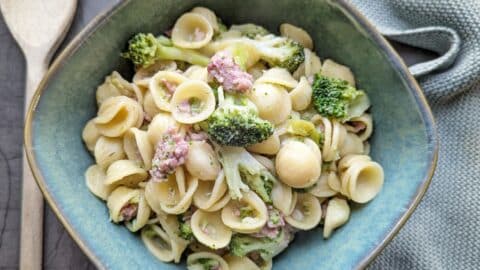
(31, 234)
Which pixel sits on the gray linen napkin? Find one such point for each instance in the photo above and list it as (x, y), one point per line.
(444, 232)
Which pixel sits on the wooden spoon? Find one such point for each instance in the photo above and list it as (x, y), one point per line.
(39, 26)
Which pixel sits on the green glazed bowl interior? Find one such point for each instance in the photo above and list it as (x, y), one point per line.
(404, 140)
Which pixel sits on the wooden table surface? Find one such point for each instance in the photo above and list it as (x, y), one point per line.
(60, 252)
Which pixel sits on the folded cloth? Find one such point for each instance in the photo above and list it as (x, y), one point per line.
(444, 232)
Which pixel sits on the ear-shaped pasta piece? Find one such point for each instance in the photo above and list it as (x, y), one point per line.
(138, 147)
(157, 242)
(143, 75)
(143, 213)
(108, 150)
(90, 135)
(297, 34)
(208, 229)
(270, 146)
(196, 261)
(191, 31)
(240, 263)
(321, 189)
(362, 126)
(351, 145)
(301, 96)
(149, 107)
(115, 85)
(95, 180)
(334, 182)
(208, 192)
(162, 86)
(315, 148)
(334, 137)
(337, 214)
(196, 72)
(297, 165)
(283, 198)
(363, 181)
(122, 204)
(257, 70)
(117, 114)
(202, 162)
(366, 148)
(125, 173)
(312, 62)
(273, 102)
(278, 76)
(349, 160)
(192, 102)
(209, 15)
(247, 215)
(178, 245)
(160, 124)
(334, 70)
(307, 212)
(168, 195)
(219, 204)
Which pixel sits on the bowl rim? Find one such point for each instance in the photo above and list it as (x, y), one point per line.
(350, 11)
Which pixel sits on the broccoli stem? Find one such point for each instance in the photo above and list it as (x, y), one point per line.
(190, 56)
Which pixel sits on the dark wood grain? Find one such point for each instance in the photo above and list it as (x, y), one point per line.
(60, 252)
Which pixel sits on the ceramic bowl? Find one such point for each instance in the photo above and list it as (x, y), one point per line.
(404, 141)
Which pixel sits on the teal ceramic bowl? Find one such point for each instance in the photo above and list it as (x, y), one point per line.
(404, 141)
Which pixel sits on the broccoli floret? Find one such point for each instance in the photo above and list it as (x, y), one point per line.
(335, 98)
(281, 52)
(250, 30)
(145, 49)
(236, 123)
(242, 244)
(185, 230)
(243, 171)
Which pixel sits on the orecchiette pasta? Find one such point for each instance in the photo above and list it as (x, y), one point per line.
(149, 107)
(116, 85)
(362, 126)
(208, 229)
(143, 213)
(321, 188)
(192, 102)
(307, 212)
(162, 86)
(247, 215)
(297, 34)
(108, 150)
(117, 114)
(334, 70)
(90, 135)
(266, 162)
(268, 147)
(362, 181)
(312, 63)
(125, 173)
(122, 204)
(297, 165)
(283, 198)
(209, 15)
(95, 180)
(158, 242)
(337, 214)
(143, 75)
(195, 261)
(195, 72)
(351, 145)
(202, 161)
(208, 193)
(138, 147)
(272, 101)
(192, 31)
(278, 76)
(301, 95)
(257, 70)
(334, 137)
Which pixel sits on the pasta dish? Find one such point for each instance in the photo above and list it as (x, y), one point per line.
(228, 141)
